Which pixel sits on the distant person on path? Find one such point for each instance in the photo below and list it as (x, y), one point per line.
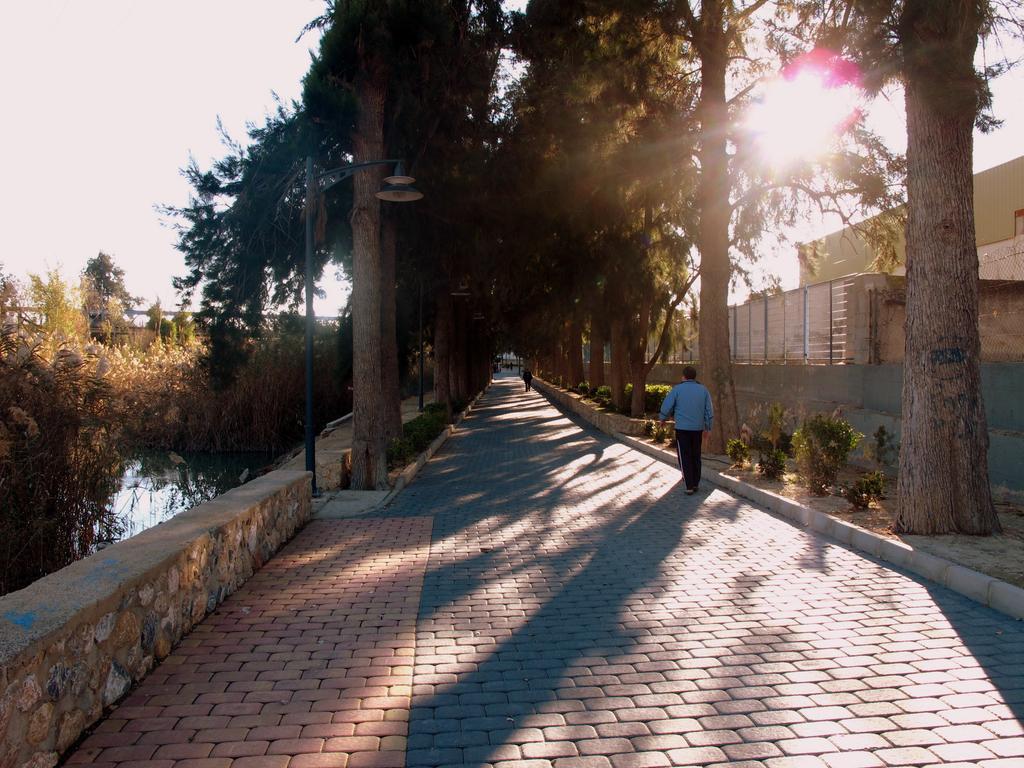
(690, 403)
(527, 377)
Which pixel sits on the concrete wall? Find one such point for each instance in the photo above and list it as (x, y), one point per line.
(870, 396)
(73, 642)
(1000, 322)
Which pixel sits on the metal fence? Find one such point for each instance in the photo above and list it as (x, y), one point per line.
(809, 325)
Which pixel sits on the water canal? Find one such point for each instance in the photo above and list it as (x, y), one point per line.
(157, 485)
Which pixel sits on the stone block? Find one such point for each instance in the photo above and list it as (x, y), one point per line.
(969, 583)
(895, 552)
(842, 531)
(820, 522)
(866, 541)
(929, 566)
(1006, 598)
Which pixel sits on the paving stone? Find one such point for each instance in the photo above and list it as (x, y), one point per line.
(853, 760)
(541, 596)
(756, 750)
(641, 760)
(906, 756)
(696, 756)
(1005, 747)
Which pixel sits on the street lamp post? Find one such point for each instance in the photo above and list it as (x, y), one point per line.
(397, 188)
(421, 347)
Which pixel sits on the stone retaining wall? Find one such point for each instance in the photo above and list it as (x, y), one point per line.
(612, 423)
(75, 641)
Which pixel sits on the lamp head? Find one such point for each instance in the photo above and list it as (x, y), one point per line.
(399, 176)
(399, 193)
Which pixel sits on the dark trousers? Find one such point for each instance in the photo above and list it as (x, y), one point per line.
(688, 444)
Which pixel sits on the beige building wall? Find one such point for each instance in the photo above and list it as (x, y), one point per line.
(998, 218)
(998, 196)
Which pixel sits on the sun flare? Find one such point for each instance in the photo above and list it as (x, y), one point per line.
(802, 113)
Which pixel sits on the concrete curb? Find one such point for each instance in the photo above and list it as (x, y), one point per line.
(984, 589)
(610, 423)
(409, 473)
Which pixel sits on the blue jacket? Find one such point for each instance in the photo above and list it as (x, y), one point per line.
(690, 402)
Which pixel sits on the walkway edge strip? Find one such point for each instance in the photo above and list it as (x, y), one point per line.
(979, 587)
(409, 473)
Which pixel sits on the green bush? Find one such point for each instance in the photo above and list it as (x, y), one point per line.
(583, 388)
(649, 427)
(602, 395)
(770, 432)
(738, 452)
(883, 450)
(870, 487)
(772, 463)
(417, 435)
(400, 452)
(661, 433)
(654, 396)
(822, 446)
(436, 408)
(763, 444)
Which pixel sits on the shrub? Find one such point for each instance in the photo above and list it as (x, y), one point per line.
(583, 388)
(602, 395)
(400, 452)
(822, 446)
(772, 464)
(654, 396)
(661, 433)
(738, 452)
(649, 427)
(883, 450)
(770, 432)
(869, 487)
(436, 408)
(417, 435)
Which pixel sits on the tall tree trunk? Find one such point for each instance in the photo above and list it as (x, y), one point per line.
(459, 364)
(943, 482)
(620, 361)
(713, 241)
(369, 461)
(389, 334)
(638, 357)
(442, 349)
(575, 352)
(596, 374)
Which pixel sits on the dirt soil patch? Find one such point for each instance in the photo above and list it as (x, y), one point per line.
(1000, 556)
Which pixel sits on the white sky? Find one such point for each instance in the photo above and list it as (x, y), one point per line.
(106, 99)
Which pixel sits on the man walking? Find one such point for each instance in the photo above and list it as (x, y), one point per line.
(690, 403)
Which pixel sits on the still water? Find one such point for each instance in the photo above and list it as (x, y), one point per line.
(157, 485)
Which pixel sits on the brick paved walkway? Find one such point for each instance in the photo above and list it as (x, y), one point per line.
(575, 608)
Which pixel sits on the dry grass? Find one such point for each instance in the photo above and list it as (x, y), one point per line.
(59, 458)
(70, 411)
(168, 400)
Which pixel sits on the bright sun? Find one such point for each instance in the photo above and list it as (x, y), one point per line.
(802, 113)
